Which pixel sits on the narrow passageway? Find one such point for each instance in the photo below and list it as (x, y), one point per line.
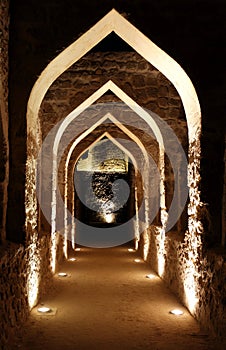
(107, 302)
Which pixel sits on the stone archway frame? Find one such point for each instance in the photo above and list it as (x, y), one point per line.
(125, 130)
(81, 108)
(134, 162)
(142, 113)
(114, 22)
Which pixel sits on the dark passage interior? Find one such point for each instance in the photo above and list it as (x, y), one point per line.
(112, 175)
(104, 177)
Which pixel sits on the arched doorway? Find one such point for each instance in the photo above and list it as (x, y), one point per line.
(114, 22)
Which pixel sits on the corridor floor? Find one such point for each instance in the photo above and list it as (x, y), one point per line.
(106, 302)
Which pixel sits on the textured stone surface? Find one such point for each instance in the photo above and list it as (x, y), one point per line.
(4, 142)
(147, 86)
(14, 273)
(13, 297)
(211, 308)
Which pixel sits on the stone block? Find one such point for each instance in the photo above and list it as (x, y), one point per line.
(163, 102)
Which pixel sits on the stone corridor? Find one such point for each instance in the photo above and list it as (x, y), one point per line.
(112, 118)
(107, 302)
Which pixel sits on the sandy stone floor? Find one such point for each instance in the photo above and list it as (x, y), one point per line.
(106, 302)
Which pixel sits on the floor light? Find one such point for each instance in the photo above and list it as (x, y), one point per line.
(62, 274)
(44, 309)
(72, 259)
(176, 312)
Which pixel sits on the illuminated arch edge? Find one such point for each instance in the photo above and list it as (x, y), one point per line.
(82, 136)
(114, 22)
(134, 162)
(142, 113)
(81, 108)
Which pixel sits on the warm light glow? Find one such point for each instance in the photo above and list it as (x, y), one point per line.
(44, 309)
(109, 217)
(65, 247)
(131, 250)
(73, 233)
(191, 273)
(151, 276)
(72, 259)
(33, 268)
(176, 312)
(137, 260)
(160, 238)
(33, 278)
(65, 240)
(136, 222)
(146, 245)
(165, 64)
(77, 249)
(190, 293)
(53, 250)
(195, 229)
(62, 274)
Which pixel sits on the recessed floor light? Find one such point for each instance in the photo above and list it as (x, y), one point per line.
(77, 249)
(62, 274)
(176, 312)
(72, 259)
(131, 250)
(150, 276)
(137, 260)
(44, 309)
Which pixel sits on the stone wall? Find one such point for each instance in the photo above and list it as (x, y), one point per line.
(211, 289)
(13, 293)
(15, 274)
(135, 76)
(4, 143)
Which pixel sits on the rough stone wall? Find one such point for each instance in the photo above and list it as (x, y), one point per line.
(211, 308)
(14, 275)
(4, 143)
(136, 77)
(13, 300)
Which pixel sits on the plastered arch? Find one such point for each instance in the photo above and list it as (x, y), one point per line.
(114, 22)
(133, 137)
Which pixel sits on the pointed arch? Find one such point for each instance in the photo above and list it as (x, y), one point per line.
(80, 109)
(114, 22)
(79, 139)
